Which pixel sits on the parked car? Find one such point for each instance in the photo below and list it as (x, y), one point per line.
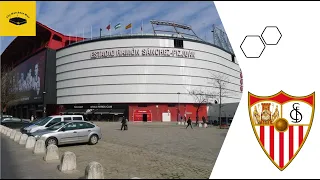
(43, 123)
(69, 133)
(5, 116)
(14, 123)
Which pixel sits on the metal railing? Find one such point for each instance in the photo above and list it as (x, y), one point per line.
(220, 38)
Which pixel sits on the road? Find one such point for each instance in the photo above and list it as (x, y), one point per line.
(146, 150)
(20, 163)
(153, 150)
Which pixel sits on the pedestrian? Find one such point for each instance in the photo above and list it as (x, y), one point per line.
(124, 125)
(204, 120)
(181, 119)
(32, 118)
(189, 123)
(197, 121)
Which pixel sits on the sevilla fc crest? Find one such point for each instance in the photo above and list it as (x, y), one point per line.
(281, 124)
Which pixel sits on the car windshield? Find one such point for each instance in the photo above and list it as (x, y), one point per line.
(57, 126)
(42, 121)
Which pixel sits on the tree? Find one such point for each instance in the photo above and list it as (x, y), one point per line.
(200, 97)
(7, 87)
(219, 84)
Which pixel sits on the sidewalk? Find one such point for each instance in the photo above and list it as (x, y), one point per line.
(20, 163)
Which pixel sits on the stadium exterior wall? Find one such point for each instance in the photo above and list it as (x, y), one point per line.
(84, 76)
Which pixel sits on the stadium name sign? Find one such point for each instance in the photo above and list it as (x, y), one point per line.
(161, 52)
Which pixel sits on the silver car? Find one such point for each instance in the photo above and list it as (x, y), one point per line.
(69, 132)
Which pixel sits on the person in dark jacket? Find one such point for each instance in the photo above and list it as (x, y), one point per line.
(204, 120)
(197, 121)
(189, 123)
(124, 124)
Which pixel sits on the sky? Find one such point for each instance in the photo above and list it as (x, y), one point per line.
(77, 17)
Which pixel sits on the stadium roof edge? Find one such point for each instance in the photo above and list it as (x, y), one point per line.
(143, 36)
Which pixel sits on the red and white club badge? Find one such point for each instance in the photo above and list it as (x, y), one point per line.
(281, 124)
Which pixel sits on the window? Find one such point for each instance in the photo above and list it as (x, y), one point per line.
(53, 121)
(171, 105)
(70, 126)
(142, 105)
(67, 118)
(77, 118)
(178, 43)
(233, 58)
(84, 125)
(57, 38)
(90, 125)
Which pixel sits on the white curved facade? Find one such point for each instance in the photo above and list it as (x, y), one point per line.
(141, 78)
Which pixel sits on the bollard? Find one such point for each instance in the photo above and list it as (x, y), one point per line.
(52, 153)
(39, 147)
(17, 137)
(68, 162)
(13, 133)
(23, 139)
(200, 125)
(94, 171)
(205, 125)
(31, 141)
(9, 132)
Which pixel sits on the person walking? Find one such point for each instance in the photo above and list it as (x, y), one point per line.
(189, 123)
(124, 125)
(197, 121)
(204, 120)
(32, 118)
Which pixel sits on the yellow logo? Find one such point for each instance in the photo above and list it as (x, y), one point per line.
(17, 18)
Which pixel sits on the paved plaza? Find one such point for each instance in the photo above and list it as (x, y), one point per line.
(146, 150)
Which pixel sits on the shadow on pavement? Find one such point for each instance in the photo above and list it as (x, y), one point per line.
(8, 167)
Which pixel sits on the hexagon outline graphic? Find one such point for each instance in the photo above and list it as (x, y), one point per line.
(261, 42)
(265, 30)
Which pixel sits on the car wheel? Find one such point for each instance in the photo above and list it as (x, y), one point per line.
(93, 139)
(51, 140)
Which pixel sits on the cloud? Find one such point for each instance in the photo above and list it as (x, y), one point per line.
(77, 18)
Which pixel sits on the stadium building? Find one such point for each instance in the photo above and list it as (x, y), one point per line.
(146, 77)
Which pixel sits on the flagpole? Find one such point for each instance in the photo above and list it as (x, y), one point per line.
(110, 29)
(69, 38)
(77, 35)
(82, 34)
(91, 32)
(131, 28)
(142, 27)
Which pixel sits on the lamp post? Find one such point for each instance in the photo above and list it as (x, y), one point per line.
(178, 106)
(44, 104)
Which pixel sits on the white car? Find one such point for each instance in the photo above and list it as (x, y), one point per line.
(43, 123)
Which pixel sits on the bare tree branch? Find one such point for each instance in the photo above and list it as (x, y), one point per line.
(7, 86)
(219, 89)
(200, 97)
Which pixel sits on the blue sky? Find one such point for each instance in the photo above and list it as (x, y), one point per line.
(74, 18)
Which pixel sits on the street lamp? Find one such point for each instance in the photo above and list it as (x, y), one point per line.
(178, 106)
(44, 104)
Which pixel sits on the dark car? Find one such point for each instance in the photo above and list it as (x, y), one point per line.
(14, 123)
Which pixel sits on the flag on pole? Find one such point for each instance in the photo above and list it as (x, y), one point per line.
(109, 27)
(117, 26)
(141, 27)
(129, 26)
